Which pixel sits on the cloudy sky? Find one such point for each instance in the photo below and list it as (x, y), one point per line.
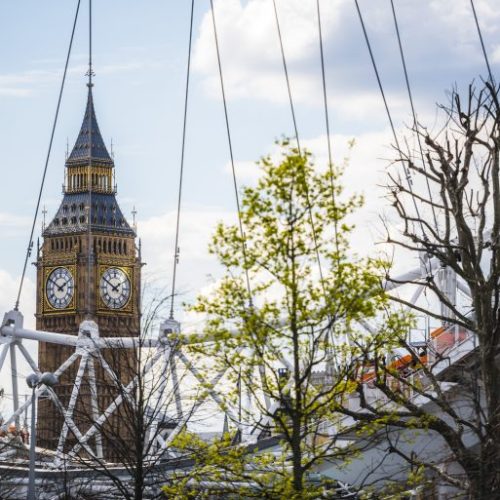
(140, 54)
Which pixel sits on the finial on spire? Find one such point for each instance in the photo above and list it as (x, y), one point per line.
(90, 73)
(134, 222)
(44, 212)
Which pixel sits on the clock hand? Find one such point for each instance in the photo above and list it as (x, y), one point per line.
(59, 288)
(115, 288)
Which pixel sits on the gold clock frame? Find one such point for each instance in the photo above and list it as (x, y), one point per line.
(47, 307)
(128, 308)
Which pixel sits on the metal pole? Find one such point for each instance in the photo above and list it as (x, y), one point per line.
(31, 481)
(3, 354)
(15, 390)
(25, 424)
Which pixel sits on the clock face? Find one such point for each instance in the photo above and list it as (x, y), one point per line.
(60, 287)
(115, 288)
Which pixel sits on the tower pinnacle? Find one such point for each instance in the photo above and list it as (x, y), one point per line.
(89, 144)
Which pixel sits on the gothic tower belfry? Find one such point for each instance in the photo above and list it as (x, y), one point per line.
(88, 268)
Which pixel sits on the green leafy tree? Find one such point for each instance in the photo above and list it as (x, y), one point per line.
(280, 319)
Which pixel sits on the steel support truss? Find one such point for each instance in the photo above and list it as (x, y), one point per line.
(165, 356)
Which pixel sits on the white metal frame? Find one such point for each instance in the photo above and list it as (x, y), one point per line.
(88, 344)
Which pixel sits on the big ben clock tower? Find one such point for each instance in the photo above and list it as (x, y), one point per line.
(88, 267)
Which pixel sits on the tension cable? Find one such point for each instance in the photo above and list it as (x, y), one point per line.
(325, 98)
(415, 124)
(181, 173)
(89, 170)
(485, 55)
(235, 183)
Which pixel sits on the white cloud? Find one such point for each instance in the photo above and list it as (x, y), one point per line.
(246, 171)
(196, 267)
(12, 223)
(21, 84)
(251, 58)
(14, 92)
(196, 226)
(458, 16)
(495, 56)
(250, 47)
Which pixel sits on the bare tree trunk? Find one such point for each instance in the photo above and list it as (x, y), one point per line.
(461, 166)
